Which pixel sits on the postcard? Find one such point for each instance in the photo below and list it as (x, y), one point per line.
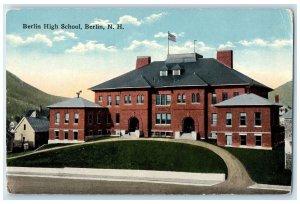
(141, 100)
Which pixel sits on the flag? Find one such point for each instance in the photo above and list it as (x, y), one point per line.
(171, 37)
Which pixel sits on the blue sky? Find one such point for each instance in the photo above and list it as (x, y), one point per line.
(261, 40)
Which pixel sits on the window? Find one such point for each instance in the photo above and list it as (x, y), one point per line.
(163, 99)
(243, 140)
(57, 118)
(129, 99)
(178, 98)
(98, 118)
(214, 119)
(163, 73)
(157, 99)
(197, 98)
(90, 132)
(56, 134)
(176, 72)
(168, 118)
(117, 117)
(125, 99)
(213, 98)
(142, 98)
(163, 118)
(214, 135)
(157, 121)
(75, 135)
(100, 99)
(258, 140)
(117, 100)
(228, 119)
(236, 94)
(90, 118)
(243, 119)
(109, 100)
(24, 126)
(138, 99)
(99, 132)
(66, 134)
(168, 99)
(224, 96)
(66, 118)
(183, 98)
(257, 119)
(76, 117)
(193, 98)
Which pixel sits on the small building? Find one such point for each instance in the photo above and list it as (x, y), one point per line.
(288, 140)
(248, 121)
(77, 120)
(31, 132)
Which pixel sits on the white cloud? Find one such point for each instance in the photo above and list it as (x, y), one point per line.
(146, 43)
(59, 38)
(129, 20)
(188, 46)
(227, 45)
(61, 35)
(264, 43)
(101, 22)
(165, 34)
(37, 38)
(90, 46)
(154, 17)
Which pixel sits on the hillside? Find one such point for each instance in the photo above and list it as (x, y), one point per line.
(22, 97)
(285, 92)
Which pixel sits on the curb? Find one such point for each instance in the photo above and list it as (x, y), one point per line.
(271, 187)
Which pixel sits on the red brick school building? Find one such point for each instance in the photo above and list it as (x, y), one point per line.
(184, 97)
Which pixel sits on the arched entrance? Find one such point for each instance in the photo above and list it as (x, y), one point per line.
(188, 125)
(133, 124)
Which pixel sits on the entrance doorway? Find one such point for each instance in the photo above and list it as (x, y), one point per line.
(188, 125)
(228, 139)
(133, 124)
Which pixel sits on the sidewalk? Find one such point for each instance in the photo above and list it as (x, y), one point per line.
(167, 177)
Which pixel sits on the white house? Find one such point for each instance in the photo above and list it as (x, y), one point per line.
(31, 132)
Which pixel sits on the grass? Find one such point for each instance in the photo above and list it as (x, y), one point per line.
(264, 166)
(49, 146)
(14, 154)
(146, 155)
(103, 138)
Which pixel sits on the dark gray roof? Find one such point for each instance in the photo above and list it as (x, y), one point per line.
(39, 125)
(75, 103)
(209, 72)
(288, 115)
(246, 100)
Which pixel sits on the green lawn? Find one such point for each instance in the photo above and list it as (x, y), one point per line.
(14, 154)
(147, 155)
(264, 166)
(49, 146)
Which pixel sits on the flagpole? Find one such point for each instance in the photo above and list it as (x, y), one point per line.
(168, 43)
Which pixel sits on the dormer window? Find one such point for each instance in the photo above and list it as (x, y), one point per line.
(176, 72)
(164, 73)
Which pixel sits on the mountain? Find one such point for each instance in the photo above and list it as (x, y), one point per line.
(285, 93)
(22, 97)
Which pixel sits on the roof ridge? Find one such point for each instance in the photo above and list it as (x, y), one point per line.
(146, 80)
(200, 78)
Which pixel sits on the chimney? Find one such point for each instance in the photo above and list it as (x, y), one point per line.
(276, 98)
(225, 57)
(142, 61)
